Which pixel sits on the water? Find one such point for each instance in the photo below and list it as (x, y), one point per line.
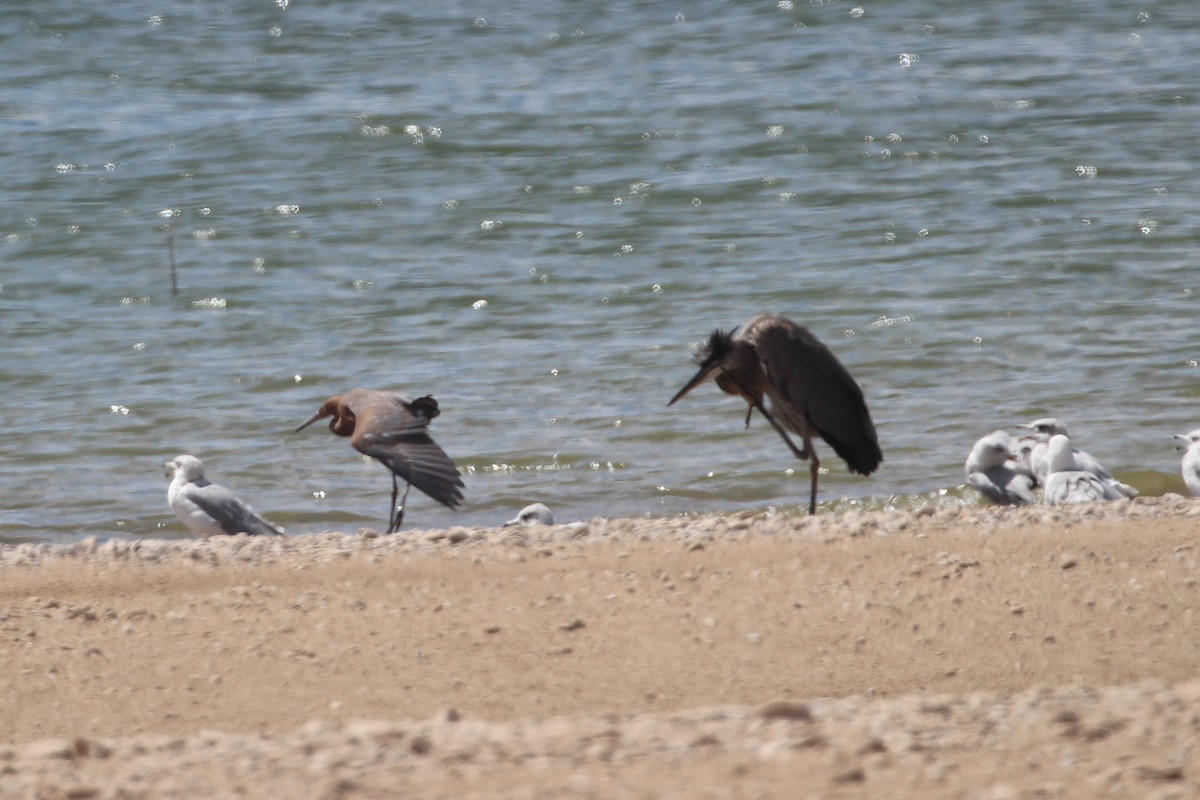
(988, 211)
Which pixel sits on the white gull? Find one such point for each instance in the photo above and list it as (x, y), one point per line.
(988, 470)
(1038, 459)
(1189, 445)
(532, 514)
(1067, 483)
(208, 509)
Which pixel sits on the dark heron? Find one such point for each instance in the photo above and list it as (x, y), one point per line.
(392, 429)
(811, 392)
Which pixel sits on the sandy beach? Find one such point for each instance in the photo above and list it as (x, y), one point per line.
(982, 653)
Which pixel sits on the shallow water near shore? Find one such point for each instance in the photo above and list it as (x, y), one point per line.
(534, 212)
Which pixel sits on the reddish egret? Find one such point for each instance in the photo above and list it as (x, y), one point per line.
(392, 429)
(811, 393)
(208, 509)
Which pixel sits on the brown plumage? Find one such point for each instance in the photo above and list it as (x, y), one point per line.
(392, 429)
(810, 392)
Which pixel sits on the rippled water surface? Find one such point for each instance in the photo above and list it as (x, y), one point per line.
(534, 209)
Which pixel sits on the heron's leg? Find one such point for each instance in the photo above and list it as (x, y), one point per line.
(392, 525)
(400, 509)
(815, 468)
(797, 452)
(808, 454)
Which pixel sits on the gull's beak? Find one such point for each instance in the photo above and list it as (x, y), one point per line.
(701, 375)
(169, 468)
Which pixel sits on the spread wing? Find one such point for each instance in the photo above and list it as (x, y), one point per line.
(228, 511)
(808, 378)
(395, 433)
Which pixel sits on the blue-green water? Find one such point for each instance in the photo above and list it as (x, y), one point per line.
(532, 209)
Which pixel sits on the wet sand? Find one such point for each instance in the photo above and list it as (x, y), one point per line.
(954, 653)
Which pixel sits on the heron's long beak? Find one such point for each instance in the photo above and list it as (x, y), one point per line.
(696, 380)
(316, 417)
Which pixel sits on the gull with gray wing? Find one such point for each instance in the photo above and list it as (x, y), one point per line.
(1039, 457)
(1066, 483)
(209, 509)
(532, 514)
(990, 470)
(1189, 466)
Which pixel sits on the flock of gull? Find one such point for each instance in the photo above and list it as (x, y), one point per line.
(1007, 470)
(777, 367)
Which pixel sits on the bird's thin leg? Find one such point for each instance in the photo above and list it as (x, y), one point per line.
(815, 468)
(808, 454)
(392, 508)
(400, 509)
(797, 452)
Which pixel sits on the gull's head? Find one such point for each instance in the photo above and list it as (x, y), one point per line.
(533, 514)
(1187, 440)
(1062, 459)
(991, 451)
(1024, 448)
(187, 466)
(1047, 427)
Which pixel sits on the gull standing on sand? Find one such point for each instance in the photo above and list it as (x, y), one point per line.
(1189, 445)
(1039, 457)
(811, 393)
(1067, 483)
(209, 509)
(532, 514)
(393, 430)
(989, 471)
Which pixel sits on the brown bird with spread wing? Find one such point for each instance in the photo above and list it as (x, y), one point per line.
(392, 429)
(810, 392)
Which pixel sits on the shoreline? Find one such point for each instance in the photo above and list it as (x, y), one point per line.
(935, 652)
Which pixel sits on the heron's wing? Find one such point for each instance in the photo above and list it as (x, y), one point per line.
(390, 431)
(230, 513)
(807, 377)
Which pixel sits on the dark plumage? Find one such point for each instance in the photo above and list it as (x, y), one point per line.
(810, 392)
(392, 429)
